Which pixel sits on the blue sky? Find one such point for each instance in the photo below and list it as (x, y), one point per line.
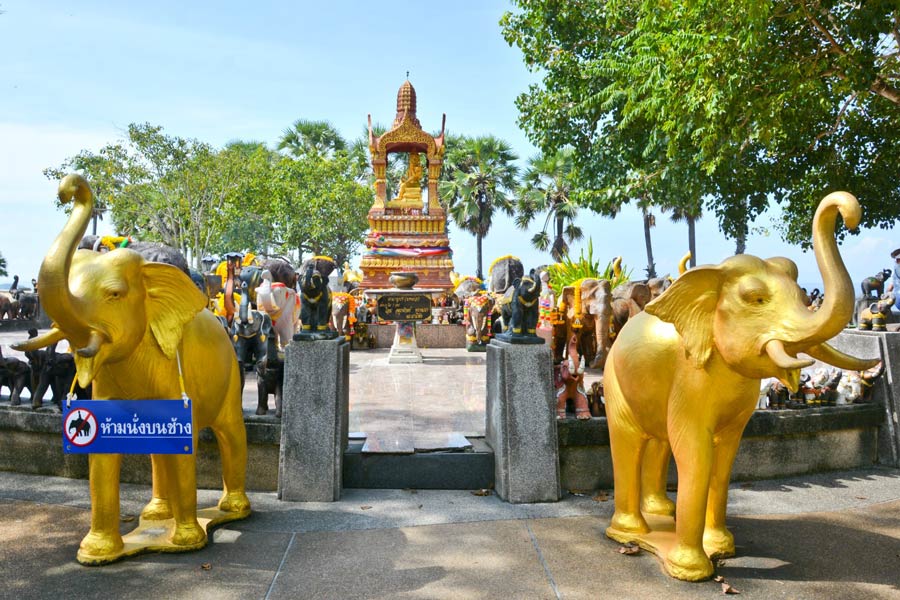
(74, 75)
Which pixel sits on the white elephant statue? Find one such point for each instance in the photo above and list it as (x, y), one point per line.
(282, 305)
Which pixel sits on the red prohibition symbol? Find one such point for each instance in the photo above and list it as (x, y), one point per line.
(80, 427)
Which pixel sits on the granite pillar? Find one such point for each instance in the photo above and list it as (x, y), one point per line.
(520, 421)
(314, 420)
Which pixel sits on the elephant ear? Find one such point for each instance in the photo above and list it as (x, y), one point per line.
(690, 305)
(172, 302)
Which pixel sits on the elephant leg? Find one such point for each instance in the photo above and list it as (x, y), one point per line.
(158, 509)
(654, 474)
(180, 475)
(692, 447)
(231, 435)
(627, 444)
(262, 392)
(103, 540)
(718, 542)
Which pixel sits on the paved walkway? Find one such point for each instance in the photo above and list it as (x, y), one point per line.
(818, 537)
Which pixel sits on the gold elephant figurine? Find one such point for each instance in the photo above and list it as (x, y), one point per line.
(128, 321)
(683, 379)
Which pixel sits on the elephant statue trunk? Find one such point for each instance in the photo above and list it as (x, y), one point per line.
(53, 277)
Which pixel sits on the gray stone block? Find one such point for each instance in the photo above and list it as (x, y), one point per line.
(886, 392)
(314, 420)
(520, 422)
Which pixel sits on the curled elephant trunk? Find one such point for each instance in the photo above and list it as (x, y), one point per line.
(837, 309)
(53, 278)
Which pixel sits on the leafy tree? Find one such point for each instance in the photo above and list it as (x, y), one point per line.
(546, 187)
(312, 138)
(318, 207)
(787, 98)
(482, 180)
(3, 271)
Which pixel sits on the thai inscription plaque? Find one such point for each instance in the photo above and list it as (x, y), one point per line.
(404, 307)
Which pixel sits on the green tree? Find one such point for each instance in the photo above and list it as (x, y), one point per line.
(318, 207)
(312, 138)
(546, 187)
(690, 213)
(791, 97)
(3, 271)
(482, 181)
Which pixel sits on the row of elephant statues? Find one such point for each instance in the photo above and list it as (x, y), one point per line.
(19, 303)
(44, 369)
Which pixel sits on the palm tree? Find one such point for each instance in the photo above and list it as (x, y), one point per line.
(3, 272)
(547, 187)
(312, 138)
(480, 179)
(645, 203)
(689, 213)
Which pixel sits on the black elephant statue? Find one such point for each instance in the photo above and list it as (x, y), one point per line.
(250, 330)
(873, 287)
(15, 374)
(523, 311)
(315, 300)
(28, 304)
(270, 378)
(54, 371)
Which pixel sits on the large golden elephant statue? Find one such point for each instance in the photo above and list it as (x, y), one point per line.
(128, 321)
(683, 378)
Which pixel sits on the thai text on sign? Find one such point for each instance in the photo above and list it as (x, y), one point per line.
(127, 427)
(404, 307)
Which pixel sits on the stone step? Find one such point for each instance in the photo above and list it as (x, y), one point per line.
(469, 470)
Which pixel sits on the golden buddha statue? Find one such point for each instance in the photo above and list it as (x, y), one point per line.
(410, 193)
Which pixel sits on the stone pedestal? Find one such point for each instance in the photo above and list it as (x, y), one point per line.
(521, 422)
(865, 344)
(314, 420)
(405, 349)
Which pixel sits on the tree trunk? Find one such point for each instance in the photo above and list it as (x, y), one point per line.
(478, 273)
(692, 241)
(651, 266)
(559, 249)
(740, 242)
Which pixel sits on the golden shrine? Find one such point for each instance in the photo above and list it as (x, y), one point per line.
(407, 232)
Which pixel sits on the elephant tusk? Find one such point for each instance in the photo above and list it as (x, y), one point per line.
(775, 350)
(93, 345)
(832, 356)
(42, 341)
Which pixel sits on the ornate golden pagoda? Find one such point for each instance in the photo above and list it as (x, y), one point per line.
(407, 232)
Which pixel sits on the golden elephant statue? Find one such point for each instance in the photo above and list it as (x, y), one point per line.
(684, 376)
(129, 321)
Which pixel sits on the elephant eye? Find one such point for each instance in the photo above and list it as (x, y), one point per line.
(754, 292)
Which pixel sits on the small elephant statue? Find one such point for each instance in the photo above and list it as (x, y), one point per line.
(478, 309)
(683, 379)
(250, 332)
(315, 300)
(16, 375)
(873, 287)
(270, 378)
(523, 311)
(875, 316)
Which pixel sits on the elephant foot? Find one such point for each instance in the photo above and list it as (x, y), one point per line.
(658, 504)
(688, 564)
(35, 403)
(262, 410)
(718, 543)
(15, 401)
(234, 502)
(582, 414)
(99, 547)
(189, 534)
(629, 523)
(157, 509)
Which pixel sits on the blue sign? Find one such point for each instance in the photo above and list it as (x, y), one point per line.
(127, 427)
